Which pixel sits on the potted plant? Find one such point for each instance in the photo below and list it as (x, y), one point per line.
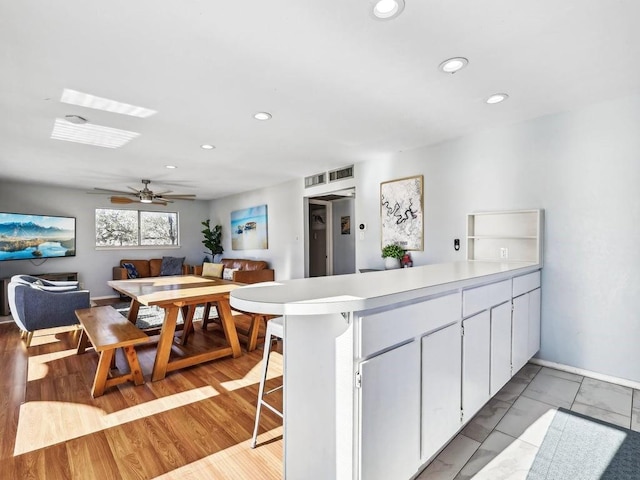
(392, 255)
(212, 239)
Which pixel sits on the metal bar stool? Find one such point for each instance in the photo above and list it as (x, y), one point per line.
(275, 330)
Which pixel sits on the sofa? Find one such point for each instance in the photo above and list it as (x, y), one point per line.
(243, 271)
(145, 268)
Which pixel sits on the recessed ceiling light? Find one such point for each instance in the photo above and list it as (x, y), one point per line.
(207, 146)
(91, 134)
(262, 116)
(496, 98)
(452, 65)
(81, 99)
(387, 9)
(171, 167)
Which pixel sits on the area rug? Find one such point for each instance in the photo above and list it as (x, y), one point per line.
(152, 316)
(579, 447)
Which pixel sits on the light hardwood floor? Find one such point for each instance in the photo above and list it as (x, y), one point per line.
(196, 423)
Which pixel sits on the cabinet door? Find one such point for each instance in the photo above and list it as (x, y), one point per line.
(390, 414)
(500, 346)
(441, 370)
(534, 323)
(475, 363)
(520, 335)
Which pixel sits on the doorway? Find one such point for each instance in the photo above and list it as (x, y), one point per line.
(330, 237)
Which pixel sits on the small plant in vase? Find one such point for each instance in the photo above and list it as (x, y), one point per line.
(392, 255)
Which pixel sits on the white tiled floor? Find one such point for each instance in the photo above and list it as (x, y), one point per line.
(502, 440)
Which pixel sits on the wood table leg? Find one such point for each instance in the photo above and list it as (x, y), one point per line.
(229, 327)
(164, 343)
(187, 329)
(134, 365)
(252, 341)
(133, 311)
(102, 372)
(83, 343)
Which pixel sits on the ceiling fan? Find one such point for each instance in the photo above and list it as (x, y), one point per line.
(143, 196)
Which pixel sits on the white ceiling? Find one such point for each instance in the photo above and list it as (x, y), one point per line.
(342, 87)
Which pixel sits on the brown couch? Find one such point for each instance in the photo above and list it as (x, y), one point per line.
(249, 271)
(146, 268)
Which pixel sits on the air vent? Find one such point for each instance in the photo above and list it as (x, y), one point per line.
(313, 180)
(346, 172)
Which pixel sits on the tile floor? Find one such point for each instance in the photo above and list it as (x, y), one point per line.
(502, 440)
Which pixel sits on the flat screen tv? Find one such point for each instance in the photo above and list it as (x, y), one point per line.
(32, 237)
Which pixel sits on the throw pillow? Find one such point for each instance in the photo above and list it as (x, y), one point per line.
(171, 266)
(132, 271)
(227, 274)
(212, 270)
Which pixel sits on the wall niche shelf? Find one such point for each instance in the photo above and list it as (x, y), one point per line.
(505, 236)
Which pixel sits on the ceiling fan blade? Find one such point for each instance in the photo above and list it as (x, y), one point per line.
(160, 202)
(178, 197)
(123, 200)
(133, 189)
(106, 190)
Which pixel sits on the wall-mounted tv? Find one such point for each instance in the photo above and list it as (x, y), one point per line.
(35, 237)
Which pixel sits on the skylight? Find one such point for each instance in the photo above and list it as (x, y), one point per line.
(91, 134)
(81, 99)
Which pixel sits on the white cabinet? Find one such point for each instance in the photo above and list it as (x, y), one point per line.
(525, 319)
(514, 236)
(526, 328)
(500, 346)
(390, 414)
(475, 363)
(441, 361)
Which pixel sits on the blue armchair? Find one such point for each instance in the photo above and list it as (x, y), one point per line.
(37, 304)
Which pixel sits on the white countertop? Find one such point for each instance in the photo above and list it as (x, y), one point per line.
(363, 291)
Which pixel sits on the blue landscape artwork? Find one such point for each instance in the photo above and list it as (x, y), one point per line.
(36, 236)
(249, 228)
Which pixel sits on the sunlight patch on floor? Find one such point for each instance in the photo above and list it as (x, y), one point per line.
(65, 421)
(238, 461)
(254, 375)
(38, 368)
(514, 461)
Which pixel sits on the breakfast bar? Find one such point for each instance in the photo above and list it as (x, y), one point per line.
(382, 369)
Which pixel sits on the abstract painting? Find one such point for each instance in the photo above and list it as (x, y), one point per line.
(401, 213)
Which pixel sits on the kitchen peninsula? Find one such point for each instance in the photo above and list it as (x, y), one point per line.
(382, 369)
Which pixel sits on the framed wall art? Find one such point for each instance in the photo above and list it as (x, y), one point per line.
(345, 225)
(249, 228)
(401, 213)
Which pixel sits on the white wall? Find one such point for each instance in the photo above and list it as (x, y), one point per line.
(582, 167)
(285, 214)
(94, 267)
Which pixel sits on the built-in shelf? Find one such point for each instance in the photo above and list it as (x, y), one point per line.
(513, 236)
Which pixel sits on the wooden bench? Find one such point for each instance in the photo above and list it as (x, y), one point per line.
(108, 330)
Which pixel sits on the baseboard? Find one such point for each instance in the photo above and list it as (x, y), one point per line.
(587, 373)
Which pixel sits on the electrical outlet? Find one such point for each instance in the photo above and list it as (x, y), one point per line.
(504, 253)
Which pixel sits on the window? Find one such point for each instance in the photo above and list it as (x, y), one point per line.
(133, 228)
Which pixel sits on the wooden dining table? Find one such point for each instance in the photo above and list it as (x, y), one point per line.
(182, 292)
